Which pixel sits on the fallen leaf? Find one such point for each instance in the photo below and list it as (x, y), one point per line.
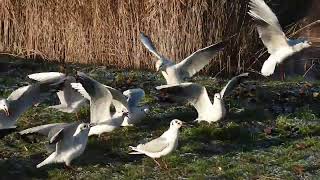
(298, 169)
(268, 130)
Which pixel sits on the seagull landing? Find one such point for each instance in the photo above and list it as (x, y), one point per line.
(197, 96)
(272, 36)
(177, 73)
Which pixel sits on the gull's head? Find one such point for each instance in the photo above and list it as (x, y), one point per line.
(176, 123)
(83, 127)
(303, 43)
(217, 97)
(4, 106)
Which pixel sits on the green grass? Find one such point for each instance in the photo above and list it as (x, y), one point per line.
(253, 142)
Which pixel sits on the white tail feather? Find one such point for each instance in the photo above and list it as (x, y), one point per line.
(49, 160)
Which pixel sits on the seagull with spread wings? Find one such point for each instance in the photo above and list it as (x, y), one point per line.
(136, 112)
(177, 73)
(272, 36)
(197, 95)
(66, 141)
(70, 99)
(100, 99)
(23, 98)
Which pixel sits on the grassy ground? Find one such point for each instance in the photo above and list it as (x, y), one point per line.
(272, 131)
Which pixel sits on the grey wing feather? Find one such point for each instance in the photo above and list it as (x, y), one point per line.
(43, 129)
(118, 96)
(183, 91)
(195, 94)
(45, 76)
(146, 41)
(25, 97)
(268, 26)
(198, 60)
(56, 137)
(232, 83)
(100, 98)
(154, 146)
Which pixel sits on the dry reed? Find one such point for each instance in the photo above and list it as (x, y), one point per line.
(106, 32)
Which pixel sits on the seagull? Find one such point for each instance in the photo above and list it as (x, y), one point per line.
(272, 36)
(22, 99)
(70, 99)
(161, 146)
(197, 95)
(66, 141)
(100, 99)
(176, 73)
(136, 113)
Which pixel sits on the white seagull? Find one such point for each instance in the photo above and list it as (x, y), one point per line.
(23, 98)
(272, 36)
(136, 113)
(161, 146)
(100, 102)
(197, 96)
(177, 73)
(66, 141)
(70, 99)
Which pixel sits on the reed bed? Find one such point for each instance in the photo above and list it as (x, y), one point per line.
(106, 32)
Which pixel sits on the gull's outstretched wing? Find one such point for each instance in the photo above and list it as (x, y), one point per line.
(232, 84)
(268, 26)
(146, 41)
(198, 60)
(193, 93)
(43, 129)
(100, 98)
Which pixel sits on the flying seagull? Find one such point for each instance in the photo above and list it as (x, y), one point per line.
(66, 141)
(272, 36)
(23, 98)
(100, 102)
(161, 146)
(177, 73)
(136, 113)
(197, 96)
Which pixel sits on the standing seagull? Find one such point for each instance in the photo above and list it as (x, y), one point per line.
(177, 73)
(100, 102)
(136, 113)
(272, 36)
(66, 141)
(23, 98)
(161, 146)
(197, 96)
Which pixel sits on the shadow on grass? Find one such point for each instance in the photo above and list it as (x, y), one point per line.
(22, 168)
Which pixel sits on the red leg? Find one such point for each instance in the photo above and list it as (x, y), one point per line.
(282, 73)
